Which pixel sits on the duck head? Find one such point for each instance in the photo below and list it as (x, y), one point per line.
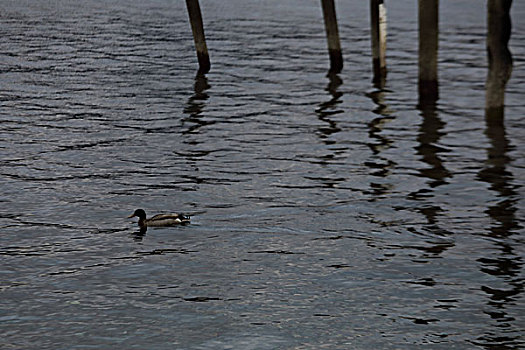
(140, 213)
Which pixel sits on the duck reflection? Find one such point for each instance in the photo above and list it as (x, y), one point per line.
(507, 263)
(139, 235)
(196, 103)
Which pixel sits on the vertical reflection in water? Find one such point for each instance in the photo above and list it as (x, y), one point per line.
(507, 264)
(196, 103)
(429, 135)
(193, 109)
(139, 235)
(499, 178)
(326, 109)
(380, 166)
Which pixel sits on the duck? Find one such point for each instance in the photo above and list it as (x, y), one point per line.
(160, 220)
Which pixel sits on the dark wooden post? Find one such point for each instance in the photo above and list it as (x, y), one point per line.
(332, 35)
(499, 56)
(194, 12)
(378, 33)
(428, 49)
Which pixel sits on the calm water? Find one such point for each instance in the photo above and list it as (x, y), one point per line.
(326, 213)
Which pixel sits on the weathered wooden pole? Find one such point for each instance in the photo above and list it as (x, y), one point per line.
(194, 12)
(499, 56)
(378, 33)
(428, 50)
(332, 35)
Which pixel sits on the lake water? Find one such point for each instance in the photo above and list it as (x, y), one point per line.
(326, 213)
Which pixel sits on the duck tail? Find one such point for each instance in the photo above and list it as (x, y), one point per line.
(185, 218)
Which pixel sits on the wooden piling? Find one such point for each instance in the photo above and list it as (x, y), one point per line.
(428, 50)
(194, 12)
(499, 56)
(332, 36)
(378, 36)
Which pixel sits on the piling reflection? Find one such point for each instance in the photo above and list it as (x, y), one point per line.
(379, 165)
(506, 264)
(429, 135)
(327, 109)
(500, 179)
(377, 124)
(196, 103)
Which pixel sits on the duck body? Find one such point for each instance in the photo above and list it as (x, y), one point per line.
(160, 220)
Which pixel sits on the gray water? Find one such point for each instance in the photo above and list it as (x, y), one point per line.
(326, 213)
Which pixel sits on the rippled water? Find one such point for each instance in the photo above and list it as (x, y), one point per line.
(326, 213)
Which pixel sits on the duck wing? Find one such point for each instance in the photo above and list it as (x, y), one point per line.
(167, 220)
(165, 217)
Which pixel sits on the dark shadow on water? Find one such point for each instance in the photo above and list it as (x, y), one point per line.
(506, 263)
(196, 104)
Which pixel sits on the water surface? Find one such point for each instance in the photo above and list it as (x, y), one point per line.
(327, 213)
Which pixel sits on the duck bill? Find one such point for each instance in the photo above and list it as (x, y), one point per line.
(132, 215)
